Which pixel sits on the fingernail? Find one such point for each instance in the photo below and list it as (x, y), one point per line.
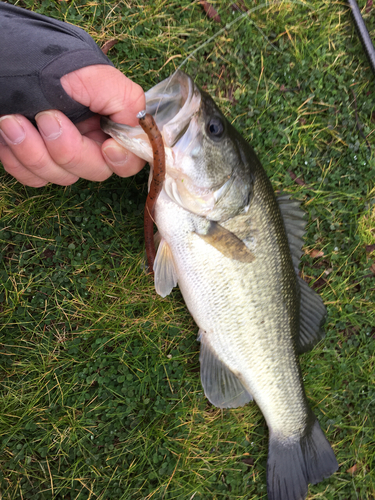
(11, 129)
(49, 125)
(2, 142)
(116, 154)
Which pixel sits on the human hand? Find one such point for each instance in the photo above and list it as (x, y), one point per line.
(62, 152)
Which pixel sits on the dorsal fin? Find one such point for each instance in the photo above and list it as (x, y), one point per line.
(312, 310)
(164, 270)
(294, 223)
(221, 386)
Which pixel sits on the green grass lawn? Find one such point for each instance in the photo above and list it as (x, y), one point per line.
(101, 396)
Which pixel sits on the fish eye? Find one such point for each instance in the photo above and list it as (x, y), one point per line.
(215, 128)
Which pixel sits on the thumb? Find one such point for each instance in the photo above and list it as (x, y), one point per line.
(106, 91)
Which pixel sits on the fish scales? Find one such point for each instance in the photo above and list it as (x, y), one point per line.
(234, 250)
(230, 301)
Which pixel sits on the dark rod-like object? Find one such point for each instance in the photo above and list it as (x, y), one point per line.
(363, 33)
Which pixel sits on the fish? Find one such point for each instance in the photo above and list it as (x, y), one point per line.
(234, 249)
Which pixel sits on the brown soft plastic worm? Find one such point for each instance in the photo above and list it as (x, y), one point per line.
(148, 124)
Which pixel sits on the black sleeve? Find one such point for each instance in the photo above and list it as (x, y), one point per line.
(35, 52)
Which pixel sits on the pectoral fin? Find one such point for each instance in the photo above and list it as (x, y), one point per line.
(227, 243)
(164, 270)
(221, 386)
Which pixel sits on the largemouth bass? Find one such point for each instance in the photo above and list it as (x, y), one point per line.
(234, 250)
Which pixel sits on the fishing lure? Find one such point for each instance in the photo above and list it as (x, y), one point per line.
(147, 122)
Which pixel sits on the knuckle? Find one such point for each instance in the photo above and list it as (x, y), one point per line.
(68, 152)
(135, 95)
(69, 157)
(37, 162)
(69, 162)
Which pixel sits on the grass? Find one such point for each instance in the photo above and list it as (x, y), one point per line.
(101, 397)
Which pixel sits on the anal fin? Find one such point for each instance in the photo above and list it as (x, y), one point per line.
(221, 386)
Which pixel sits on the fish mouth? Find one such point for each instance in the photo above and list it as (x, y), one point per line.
(172, 103)
(175, 104)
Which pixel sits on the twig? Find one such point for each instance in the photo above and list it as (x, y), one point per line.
(106, 47)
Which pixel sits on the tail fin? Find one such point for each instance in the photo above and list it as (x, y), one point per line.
(294, 463)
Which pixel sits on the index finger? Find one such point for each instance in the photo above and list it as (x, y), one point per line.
(106, 91)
